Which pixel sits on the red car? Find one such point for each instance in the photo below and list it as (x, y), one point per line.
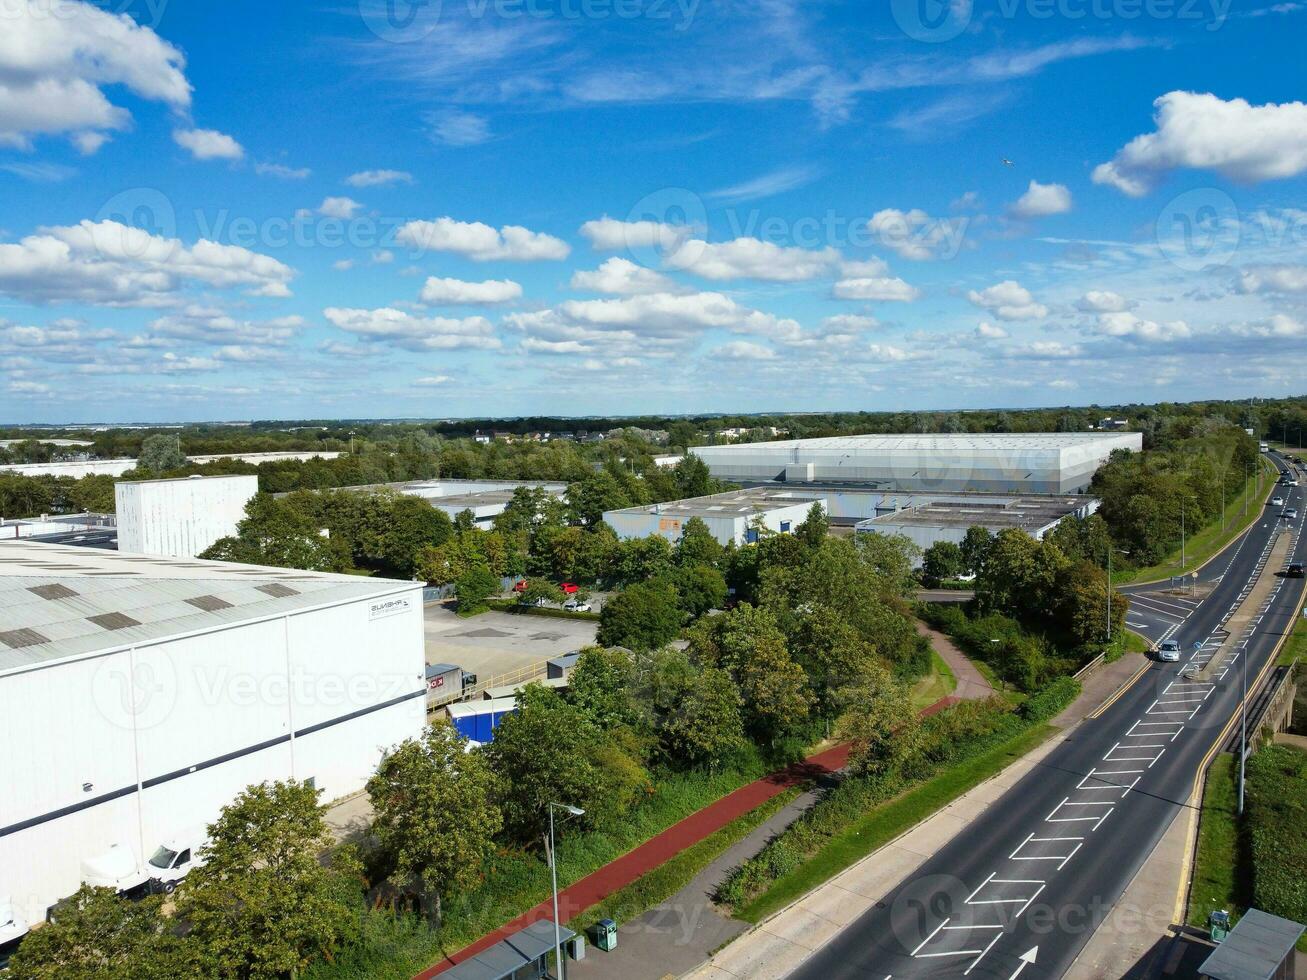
(568, 588)
(521, 586)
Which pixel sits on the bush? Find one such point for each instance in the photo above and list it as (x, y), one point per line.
(1276, 814)
(1052, 700)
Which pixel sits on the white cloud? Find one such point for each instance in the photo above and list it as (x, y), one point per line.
(622, 277)
(433, 381)
(457, 128)
(610, 235)
(208, 144)
(768, 185)
(438, 292)
(916, 235)
(1103, 301)
(1042, 200)
(343, 265)
(404, 330)
(343, 208)
(215, 327)
(1008, 300)
(481, 242)
(882, 289)
(989, 331)
(1201, 131)
(379, 178)
(1127, 325)
(871, 268)
(111, 264)
(743, 350)
(750, 258)
(888, 352)
(666, 314)
(1047, 350)
(282, 171)
(1273, 279)
(54, 58)
(849, 323)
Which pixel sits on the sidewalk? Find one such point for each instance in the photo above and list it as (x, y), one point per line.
(972, 685)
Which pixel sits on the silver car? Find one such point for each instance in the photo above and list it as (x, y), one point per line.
(1168, 651)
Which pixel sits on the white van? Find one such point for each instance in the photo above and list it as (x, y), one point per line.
(172, 862)
(12, 924)
(116, 868)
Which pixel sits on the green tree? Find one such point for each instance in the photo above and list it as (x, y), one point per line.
(411, 524)
(692, 477)
(434, 812)
(601, 685)
(99, 935)
(812, 532)
(159, 454)
(706, 724)
(474, 587)
(263, 905)
(538, 592)
(641, 617)
(600, 491)
(640, 559)
(975, 548)
(699, 588)
(881, 723)
(942, 560)
(275, 533)
(697, 546)
(1083, 607)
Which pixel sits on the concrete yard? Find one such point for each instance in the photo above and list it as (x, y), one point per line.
(497, 643)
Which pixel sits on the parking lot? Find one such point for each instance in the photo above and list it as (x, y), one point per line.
(496, 643)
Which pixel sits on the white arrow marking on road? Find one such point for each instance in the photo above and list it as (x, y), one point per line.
(1026, 958)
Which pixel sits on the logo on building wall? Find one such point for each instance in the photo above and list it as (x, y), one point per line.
(668, 524)
(389, 607)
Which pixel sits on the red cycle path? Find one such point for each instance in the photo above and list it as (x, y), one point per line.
(656, 851)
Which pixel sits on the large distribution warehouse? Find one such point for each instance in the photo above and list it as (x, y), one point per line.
(180, 518)
(138, 695)
(731, 517)
(1044, 462)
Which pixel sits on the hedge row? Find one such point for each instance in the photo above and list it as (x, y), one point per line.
(1277, 814)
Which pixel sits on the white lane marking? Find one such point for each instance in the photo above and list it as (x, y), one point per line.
(931, 936)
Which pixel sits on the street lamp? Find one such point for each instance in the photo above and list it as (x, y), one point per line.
(574, 811)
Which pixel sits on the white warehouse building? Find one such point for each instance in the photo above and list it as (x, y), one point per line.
(139, 695)
(182, 517)
(732, 517)
(1043, 462)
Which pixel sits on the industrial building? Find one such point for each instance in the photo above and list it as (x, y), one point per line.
(76, 469)
(732, 517)
(486, 499)
(928, 518)
(1048, 462)
(180, 518)
(138, 695)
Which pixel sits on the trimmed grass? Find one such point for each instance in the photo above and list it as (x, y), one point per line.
(1216, 883)
(1206, 542)
(939, 683)
(663, 882)
(1295, 648)
(887, 822)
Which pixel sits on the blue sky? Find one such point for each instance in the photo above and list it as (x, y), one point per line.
(501, 207)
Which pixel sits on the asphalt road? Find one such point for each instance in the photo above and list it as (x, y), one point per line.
(1038, 872)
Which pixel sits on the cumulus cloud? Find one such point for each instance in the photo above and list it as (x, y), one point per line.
(1128, 326)
(216, 327)
(1201, 131)
(916, 235)
(54, 62)
(876, 289)
(888, 352)
(849, 323)
(208, 144)
(343, 208)
(990, 331)
(282, 171)
(1103, 301)
(379, 178)
(611, 235)
(110, 264)
(1008, 300)
(1273, 279)
(1042, 200)
(481, 242)
(744, 350)
(441, 292)
(751, 258)
(622, 277)
(415, 333)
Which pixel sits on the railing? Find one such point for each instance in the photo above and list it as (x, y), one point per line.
(1090, 667)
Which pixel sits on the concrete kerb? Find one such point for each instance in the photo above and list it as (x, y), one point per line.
(1238, 622)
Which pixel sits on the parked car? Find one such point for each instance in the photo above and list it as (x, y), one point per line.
(576, 605)
(569, 588)
(521, 585)
(1295, 570)
(1168, 651)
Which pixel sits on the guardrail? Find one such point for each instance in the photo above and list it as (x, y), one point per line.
(1090, 667)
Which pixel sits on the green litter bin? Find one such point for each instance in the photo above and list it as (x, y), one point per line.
(605, 935)
(1218, 924)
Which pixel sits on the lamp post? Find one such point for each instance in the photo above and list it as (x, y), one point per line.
(553, 873)
(1243, 725)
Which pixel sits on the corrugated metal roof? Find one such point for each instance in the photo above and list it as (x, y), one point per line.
(504, 959)
(1255, 948)
(59, 602)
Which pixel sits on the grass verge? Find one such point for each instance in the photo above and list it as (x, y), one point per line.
(1295, 648)
(1215, 878)
(887, 822)
(1202, 545)
(939, 683)
(662, 883)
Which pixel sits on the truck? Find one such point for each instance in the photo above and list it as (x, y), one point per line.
(116, 868)
(1264, 447)
(171, 861)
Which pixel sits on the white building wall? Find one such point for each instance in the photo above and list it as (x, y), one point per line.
(731, 525)
(180, 518)
(140, 745)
